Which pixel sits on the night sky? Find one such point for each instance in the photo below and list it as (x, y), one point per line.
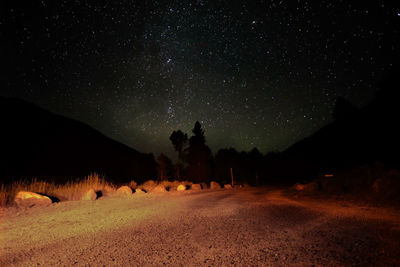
(259, 74)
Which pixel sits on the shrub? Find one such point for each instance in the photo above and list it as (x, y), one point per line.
(132, 184)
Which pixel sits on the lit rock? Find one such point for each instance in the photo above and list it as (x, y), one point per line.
(203, 186)
(214, 185)
(227, 186)
(299, 187)
(181, 187)
(124, 191)
(196, 187)
(159, 189)
(139, 191)
(90, 195)
(310, 187)
(29, 199)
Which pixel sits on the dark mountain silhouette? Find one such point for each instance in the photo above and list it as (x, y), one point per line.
(38, 143)
(357, 137)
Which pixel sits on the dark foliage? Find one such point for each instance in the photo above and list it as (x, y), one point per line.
(179, 141)
(244, 167)
(165, 168)
(199, 156)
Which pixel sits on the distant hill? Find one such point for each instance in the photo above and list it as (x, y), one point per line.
(38, 143)
(356, 137)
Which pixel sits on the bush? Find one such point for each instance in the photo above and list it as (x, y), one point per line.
(357, 180)
(387, 186)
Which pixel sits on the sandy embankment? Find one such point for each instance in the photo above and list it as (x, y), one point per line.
(245, 227)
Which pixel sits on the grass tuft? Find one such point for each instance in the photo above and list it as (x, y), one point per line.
(73, 190)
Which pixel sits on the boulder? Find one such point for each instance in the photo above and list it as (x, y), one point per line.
(149, 185)
(159, 189)
(181, 187)
(29, 199)
(124, 191)
(214, 185)
(227, 186)
(299, 187)
(196, 187)
(310, 187)
(90, 195)
(139, 191)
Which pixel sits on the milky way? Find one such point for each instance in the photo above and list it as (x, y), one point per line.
(255, 73)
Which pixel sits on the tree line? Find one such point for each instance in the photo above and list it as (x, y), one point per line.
(197, 163)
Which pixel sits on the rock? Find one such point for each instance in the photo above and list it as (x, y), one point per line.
(214, 185)
(227, 186)
(139, 191)
(196, 187)
(310, 187)
(90, 195)
(149, 185)
(203, 186)
(159, 189)
(298, 187)
(181, 187)
(124, 191)
(29, 199)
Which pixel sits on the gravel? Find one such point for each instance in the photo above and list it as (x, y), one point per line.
(242, 227)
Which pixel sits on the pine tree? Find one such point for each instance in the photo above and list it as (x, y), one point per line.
(199, 156)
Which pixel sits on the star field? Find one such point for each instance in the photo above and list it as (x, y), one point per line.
(255, 73)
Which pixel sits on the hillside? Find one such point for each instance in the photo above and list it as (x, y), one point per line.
(38, 143)
(363, 136)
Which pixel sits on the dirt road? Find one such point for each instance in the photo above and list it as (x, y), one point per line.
(242, 227)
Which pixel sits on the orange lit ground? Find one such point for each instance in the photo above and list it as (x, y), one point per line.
(238, 227)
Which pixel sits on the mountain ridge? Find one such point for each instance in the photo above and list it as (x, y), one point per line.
(39, 143)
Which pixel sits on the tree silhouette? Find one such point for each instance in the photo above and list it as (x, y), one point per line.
(247, 167)
(179, 141)
(199, 156)
(225, 159)
(255, 162)
(164, 167)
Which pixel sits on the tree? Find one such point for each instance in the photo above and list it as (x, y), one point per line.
(255, 158)
(164, 167)
(225, 159)
(199, 156)
(179, 141)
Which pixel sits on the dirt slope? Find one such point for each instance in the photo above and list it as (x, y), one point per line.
(246, 227)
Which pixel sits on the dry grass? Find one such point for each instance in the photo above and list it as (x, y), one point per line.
(74, 190)
(69, 191)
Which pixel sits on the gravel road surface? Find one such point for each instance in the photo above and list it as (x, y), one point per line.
(240, 227)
